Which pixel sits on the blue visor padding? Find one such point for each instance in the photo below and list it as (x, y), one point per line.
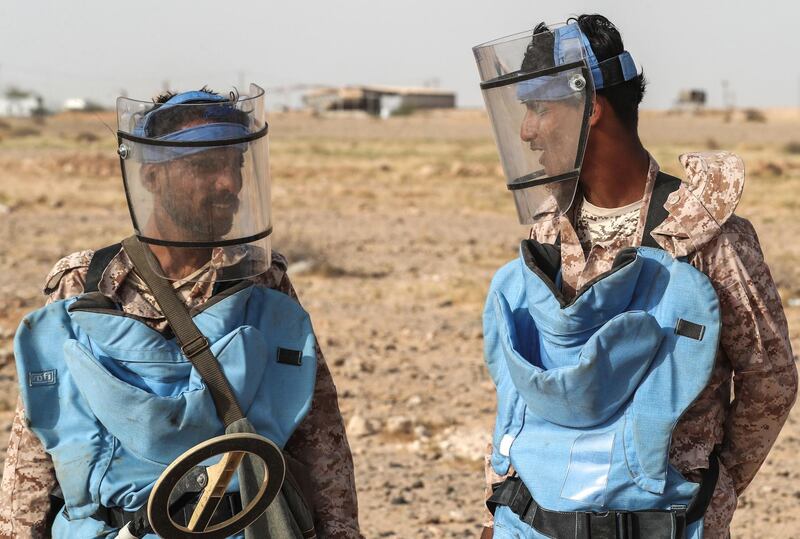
(547, 88)
(564, 53)
(215, 112)
(561, 56)
(211, 132)
(555, 87)
(628, 67)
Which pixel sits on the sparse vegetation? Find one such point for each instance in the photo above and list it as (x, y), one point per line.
(24, 131)
(754, 115)
(393, 230)
(792, 147)
(404, 110)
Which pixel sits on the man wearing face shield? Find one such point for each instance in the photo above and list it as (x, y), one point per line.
(637, 305)
(195, 168)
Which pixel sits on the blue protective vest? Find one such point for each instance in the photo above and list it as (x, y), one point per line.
(114, 402)
(589, 391)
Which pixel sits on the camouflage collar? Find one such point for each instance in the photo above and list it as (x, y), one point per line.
(705, 200)
(137, 297)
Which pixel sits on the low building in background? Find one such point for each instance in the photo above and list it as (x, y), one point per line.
(383, 101)
(74, 104)
(691, 101)
(78, 104)
(21, 104)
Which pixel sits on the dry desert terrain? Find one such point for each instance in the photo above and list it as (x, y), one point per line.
(393, 229)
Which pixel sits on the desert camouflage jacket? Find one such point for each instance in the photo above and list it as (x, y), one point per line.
(755, 355)
(319, 443)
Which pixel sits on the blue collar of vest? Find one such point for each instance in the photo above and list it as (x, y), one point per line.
(586, 383)
(598, 302)
(215, 321)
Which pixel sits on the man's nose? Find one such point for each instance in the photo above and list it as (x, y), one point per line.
(530, 126)
(228, 180)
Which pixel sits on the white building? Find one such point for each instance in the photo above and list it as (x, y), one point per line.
(20, 107)
(379, 100)
(74, 104)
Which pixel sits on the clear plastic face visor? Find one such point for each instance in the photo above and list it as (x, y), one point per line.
(196, 174)
(539, 93)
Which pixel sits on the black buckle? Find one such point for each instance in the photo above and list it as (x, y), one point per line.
(603, 525)
(625, 525)
(196, 346)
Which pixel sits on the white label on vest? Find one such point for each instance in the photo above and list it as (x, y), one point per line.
(43, 378)
(505, 444)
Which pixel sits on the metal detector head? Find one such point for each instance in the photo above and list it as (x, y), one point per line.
(242, 452)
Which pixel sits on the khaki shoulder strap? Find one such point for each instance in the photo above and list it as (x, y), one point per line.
(194, 344)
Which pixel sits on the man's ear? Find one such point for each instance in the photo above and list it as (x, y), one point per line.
(599, 108)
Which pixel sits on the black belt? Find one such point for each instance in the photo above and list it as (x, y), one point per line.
(116, 517)
(649, 524)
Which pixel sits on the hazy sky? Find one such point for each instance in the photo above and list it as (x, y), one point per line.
(102, 47)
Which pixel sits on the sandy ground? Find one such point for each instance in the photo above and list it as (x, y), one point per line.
(394, 229)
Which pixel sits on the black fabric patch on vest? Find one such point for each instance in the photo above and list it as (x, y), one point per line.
(290, 357)
(685, 328)
(93, 301)
(664, 186)
(624, 257)
(97, 265)
(544, 256)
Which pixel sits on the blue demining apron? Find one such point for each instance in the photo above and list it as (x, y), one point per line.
(115, 402)
(590, 390)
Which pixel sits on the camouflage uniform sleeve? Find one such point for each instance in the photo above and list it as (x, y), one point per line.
(320, 444)
(67, 277)
(29, 476)
(755, 339)
(492, 478)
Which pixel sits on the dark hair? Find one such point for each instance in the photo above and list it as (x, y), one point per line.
(172, 119)
(166, 95)
(606, 43)
(539, 54)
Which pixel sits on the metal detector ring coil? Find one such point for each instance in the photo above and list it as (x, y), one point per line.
(158, 503)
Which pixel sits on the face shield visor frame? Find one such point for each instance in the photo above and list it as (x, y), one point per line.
(196, 176)
(539, 94)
